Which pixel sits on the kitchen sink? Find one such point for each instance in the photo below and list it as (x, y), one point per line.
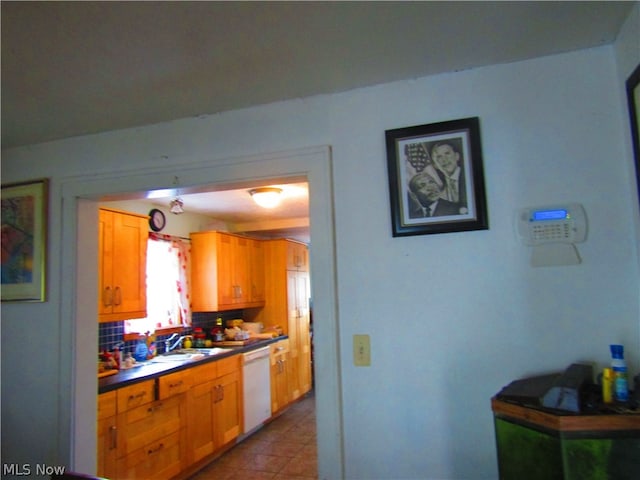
(176, 357)
(203, 351)
(186, 354)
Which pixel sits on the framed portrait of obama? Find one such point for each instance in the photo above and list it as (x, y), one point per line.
(436, 178)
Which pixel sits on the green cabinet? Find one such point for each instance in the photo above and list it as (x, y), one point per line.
(537, 445)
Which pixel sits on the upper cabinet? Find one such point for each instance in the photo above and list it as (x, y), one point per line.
(287, 293)
(227, 272)
(122, 247)
(297, 256)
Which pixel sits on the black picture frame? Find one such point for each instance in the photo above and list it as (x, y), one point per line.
(411, 164)
(633, 99)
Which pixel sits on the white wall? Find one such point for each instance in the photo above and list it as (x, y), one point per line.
(178, 225)
(627, 48)
(455, 317)
(452, 317)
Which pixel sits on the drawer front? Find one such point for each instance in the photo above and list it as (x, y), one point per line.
(228, 365)
(149, 423)
(174, 384)
(135, 395)
(107, 403)
(204, 373)
(158, 460)
(279, 347)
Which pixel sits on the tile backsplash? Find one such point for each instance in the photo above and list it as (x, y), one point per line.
(111, 333)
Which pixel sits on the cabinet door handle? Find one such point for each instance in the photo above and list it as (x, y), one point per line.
(177, 384)
(136, 396)
(151, 451)
(117, 294)
(113, 436)
(107, 297)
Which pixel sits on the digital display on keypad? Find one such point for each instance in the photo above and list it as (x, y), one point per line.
(539, 215)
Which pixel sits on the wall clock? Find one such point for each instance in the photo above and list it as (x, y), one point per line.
(157, 220)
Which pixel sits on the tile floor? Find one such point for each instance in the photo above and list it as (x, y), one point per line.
(285, 449)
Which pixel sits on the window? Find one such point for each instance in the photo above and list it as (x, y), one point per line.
(167, 286)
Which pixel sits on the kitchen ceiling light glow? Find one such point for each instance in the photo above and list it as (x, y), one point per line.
(266, 197)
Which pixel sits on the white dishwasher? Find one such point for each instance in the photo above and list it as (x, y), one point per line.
(257, 388)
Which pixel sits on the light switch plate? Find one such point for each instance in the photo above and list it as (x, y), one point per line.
(361, 351)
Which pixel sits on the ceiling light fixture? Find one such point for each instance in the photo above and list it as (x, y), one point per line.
(266, 197)
(177, 203)
(176, 206)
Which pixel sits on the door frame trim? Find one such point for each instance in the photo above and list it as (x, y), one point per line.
(78, 325)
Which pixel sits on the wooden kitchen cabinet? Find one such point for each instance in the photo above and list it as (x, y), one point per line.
(297, 256)
(174, 383)
(280, 366)
(225, 272)
(160, 428)
(135, 395)
(228, 413)
(107, 435)
(160, 459)
(287, 292)
(151, 442)
(122, 258)
(201, 399)
(256, 272)
(215, 407)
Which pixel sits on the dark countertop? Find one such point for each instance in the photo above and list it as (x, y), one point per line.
(150, 370)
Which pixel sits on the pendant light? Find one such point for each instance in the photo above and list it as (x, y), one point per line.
(177, 203)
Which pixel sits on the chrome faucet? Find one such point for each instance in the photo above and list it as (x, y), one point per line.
(167, 343)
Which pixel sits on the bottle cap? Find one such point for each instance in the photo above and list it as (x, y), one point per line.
(617, 351)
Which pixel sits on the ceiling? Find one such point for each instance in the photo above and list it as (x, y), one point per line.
(76, 68)
(240, 214)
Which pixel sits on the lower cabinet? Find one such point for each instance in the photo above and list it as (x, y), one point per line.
(280, 375)
(150, 439)
(159, 428)
(161, 459)
(227, 420)
(215, 407)
(201, 398)
(107, 435)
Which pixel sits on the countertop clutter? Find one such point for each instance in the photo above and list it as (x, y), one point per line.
(154, 368)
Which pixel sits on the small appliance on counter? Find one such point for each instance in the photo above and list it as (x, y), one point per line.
(558, 391)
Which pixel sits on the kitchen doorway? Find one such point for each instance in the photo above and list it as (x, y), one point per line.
(79, 297)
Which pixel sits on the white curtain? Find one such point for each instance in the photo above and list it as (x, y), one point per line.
(168, 305)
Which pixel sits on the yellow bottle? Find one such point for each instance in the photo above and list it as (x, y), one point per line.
(187, 342)
(607, 385)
